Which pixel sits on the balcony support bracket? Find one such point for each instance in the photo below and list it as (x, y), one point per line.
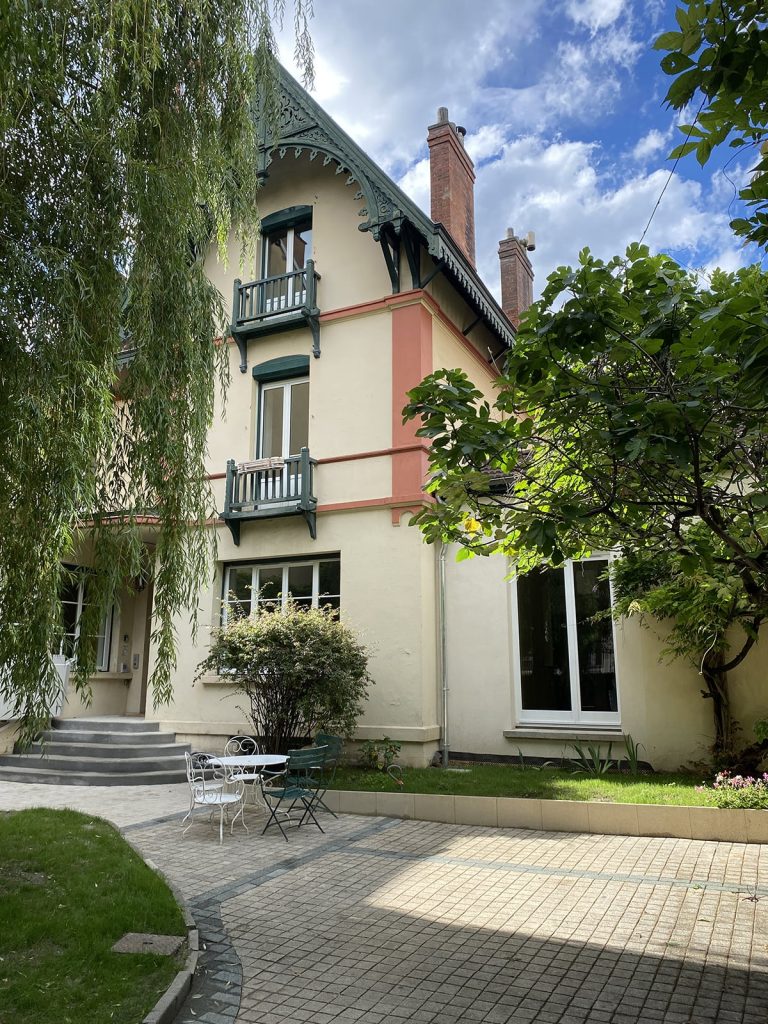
(234, 529)
(390, 246)
(313, 319)
(311, 519)
(242, 347)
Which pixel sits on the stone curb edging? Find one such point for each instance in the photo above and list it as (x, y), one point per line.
(733, 825)
(170, 1002)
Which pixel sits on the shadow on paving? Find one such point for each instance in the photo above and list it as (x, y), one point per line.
(366, 929)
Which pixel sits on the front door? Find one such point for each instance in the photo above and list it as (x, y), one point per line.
(283, 432)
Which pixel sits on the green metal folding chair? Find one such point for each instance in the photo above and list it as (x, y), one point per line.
(298, 784)
(335, 745)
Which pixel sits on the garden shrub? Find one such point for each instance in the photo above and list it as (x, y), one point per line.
(300, 669)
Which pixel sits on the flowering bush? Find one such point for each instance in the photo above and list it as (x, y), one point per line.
(738, 791)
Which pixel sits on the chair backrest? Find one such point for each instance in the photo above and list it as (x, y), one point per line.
(205, 773)
(196, 763)
(335, 744)
(241, 745)
(305, 766)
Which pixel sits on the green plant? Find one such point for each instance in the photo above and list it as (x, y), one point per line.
(379, 754)
(300, 669)
(591, 761)
(632, 756)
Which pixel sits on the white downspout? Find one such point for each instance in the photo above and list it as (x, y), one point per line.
(443, 673)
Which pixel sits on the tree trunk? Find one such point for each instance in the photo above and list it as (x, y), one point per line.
(717, 690)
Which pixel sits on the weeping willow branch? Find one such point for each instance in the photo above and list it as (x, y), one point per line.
(126, 148)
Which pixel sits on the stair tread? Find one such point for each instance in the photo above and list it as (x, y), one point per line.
(108, 749)
(107, 775)
(77, 759)
(94, 751)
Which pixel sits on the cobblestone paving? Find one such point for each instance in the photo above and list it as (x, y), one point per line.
(382, 920)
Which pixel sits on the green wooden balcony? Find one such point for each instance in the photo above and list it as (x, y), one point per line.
(275, 304)
(268, 488)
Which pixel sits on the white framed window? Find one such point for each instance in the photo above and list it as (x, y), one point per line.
(563, 657)
(73, 599)
(267, 586)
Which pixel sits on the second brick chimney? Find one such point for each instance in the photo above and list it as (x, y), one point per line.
(452, 182)
(516, 275)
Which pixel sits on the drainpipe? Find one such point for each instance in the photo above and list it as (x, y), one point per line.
(442, 669)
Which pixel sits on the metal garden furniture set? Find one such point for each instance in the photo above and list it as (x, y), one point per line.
(219, 782)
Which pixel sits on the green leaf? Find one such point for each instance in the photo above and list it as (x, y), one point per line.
(669, 41)
(674, 63)
(703, 151)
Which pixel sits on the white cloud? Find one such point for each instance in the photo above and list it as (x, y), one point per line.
(594, 14)
(485, 142)
(330, 81)
(560, 190)
(651, 144)
(415, 183)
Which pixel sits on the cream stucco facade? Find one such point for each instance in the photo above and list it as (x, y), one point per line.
(379, 335)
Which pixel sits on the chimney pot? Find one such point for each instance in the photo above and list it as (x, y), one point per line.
(442, 115)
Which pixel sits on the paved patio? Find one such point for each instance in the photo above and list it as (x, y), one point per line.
(383, 920)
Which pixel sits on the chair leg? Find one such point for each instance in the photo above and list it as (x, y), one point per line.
(308, 814)
(318, 803)
(274, 818)
(239, 815)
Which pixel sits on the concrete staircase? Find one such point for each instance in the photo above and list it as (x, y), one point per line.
(100, 752)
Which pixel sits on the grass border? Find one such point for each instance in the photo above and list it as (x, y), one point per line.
(168, 1006)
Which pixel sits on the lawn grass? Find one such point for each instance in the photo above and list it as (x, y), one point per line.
(70, 886)
(543, 783)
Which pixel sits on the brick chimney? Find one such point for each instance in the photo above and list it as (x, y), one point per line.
(452, 182)
(516, 274)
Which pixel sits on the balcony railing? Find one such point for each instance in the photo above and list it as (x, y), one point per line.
(274, 304)
(267, 488)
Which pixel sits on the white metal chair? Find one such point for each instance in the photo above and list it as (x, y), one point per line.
(241, 745)
(244, 745)
(211, 785)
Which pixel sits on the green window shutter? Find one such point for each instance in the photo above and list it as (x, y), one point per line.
(287, 218)
(281, 369)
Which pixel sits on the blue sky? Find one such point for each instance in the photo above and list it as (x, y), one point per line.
(563, 105)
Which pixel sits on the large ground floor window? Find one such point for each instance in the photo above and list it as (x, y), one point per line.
(268, 585)
(73, 598)
(563, 647)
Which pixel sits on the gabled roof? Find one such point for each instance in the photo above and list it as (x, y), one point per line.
(302, 124)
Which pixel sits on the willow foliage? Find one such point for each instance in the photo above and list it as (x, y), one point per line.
(126, 146)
